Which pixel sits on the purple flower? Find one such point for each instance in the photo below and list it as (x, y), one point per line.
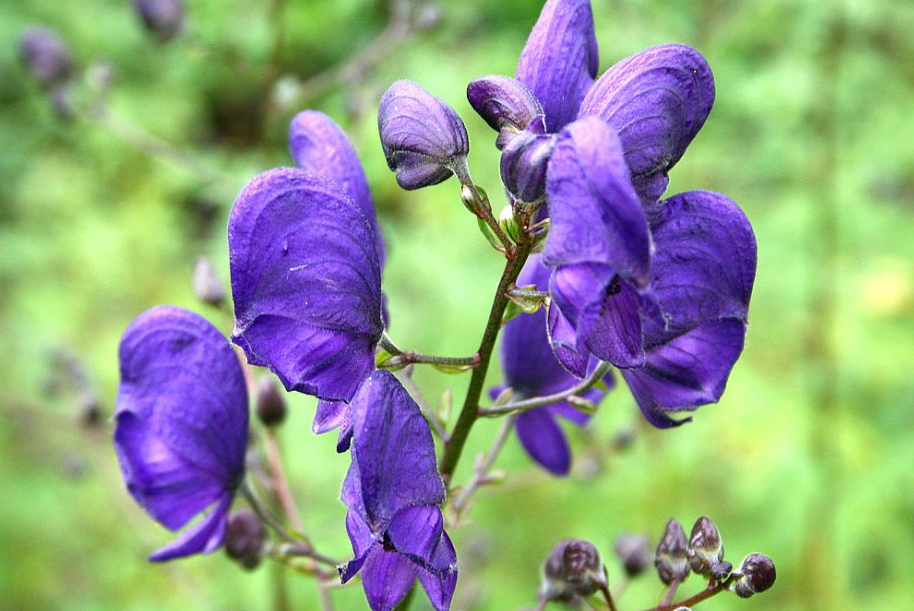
(505, 104)
(46, 56)
(524, 161)
(163, 18)
(423, 138)
(531, 370)
(393, 492)
(181, 425)
(306, 282)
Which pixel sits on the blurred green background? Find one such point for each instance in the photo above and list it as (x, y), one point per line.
(807, 458)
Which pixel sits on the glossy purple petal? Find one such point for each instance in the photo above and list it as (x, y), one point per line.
(306, 282)
(505, 104)
(560, 60)
(182, 421)
(362, 541)
(567, 345)
(422, 137)
(386, 578)
(596, 215)
(544, 440)
(393, 454)
(440, 584)
(318, 145)
(524, 162)
(204, 537)
(656, 100)
(330, 415)
(415, 532)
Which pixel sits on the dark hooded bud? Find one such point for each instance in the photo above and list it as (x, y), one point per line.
(672, 554)
(162, 18)
(756, 574)
(271, 405)
(721, 570)
(573, 568)
(635, 553)
(423, 138)
(206, 284)
(46, 56)
(244, 538)
(705, 546)
(524, 161)
(505, 104)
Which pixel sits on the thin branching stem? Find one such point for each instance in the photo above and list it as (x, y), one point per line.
(482, 469)
(534, 402)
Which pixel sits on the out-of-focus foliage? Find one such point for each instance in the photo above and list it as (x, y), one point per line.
(807, 458)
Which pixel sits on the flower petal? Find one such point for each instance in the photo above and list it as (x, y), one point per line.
(544, 440)
(306, 281)
(386, 578)
(362, 541)
(182, 417)
(415, 532)
(202, 538)
(330, 415)
(440, 584)
(560, 60)
(596, 215)
(505, 104)
(318, 145)
(657, 100)
(567, 345)
(524, 162)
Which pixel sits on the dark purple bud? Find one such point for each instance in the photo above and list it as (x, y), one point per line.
(505, 104)
(162, 18)
(271, 405)
(705, 546)
(721, 570)
(244, 538)
(207, 286)
(46, 56)
(524, 162)
(757, 574)
(573, 568)
(422, 137)
(672, 554)
(635, 553)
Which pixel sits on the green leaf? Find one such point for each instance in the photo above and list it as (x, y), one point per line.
(452, 369)
(489, 235)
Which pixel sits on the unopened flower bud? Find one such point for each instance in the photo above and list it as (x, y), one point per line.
(162, 18)
(671, 560)
(721, 570)
(524, 161)
(635, 553)
(271, 405)
(206, 284)
(508, 222)
(46, 56)
(705, 546)
(505, 104)
(572, 569)
(423, 138)
(756, 574)
(244, 538)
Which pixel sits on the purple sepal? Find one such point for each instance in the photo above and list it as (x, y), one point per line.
(657, 100)
(560, 60)
(422, 137)
(318, 145)
(702, 276)
(306, 282)
(181, 424)
(330, 415)
(524, 161)
(504, 103)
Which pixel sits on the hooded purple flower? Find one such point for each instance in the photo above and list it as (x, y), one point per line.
(181, 425)
(306, 282)
(531, 370)
(393, 492)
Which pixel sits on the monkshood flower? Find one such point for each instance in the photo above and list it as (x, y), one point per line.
(424, 139)
(181, 425)
(393, 492)
(306, 282)
(46, 56)
(531, 370)
(524, 161)
(505, 104)
(163, 18)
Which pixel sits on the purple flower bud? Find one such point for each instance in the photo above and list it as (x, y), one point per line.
(271, 405)
(244, 538)
(672, 554)
(705, 546)
(505, 104)
(422, 137)
(757, 574)
(721, 570)
(572, 569)
(163, 18)
(635, 553)
(524, 162)
(206, 284)
(46, 56)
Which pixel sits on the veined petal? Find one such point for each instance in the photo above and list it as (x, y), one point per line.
(386, 578)
(182, 417)
(567, 345)
(441, 583)
(544, 441)
(505, 104)
(415, 532)
(306, 282)
(318, 145)
(202, 538)
(656, 100)
(596, 215)
(362, 541)
(560, 60)
(524, 162)
(334, 414)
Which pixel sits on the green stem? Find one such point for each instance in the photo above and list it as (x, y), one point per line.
(479, 205)
(411, 358)
(482, 470)
(468, 412)
(534, 402)
(693, 600)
